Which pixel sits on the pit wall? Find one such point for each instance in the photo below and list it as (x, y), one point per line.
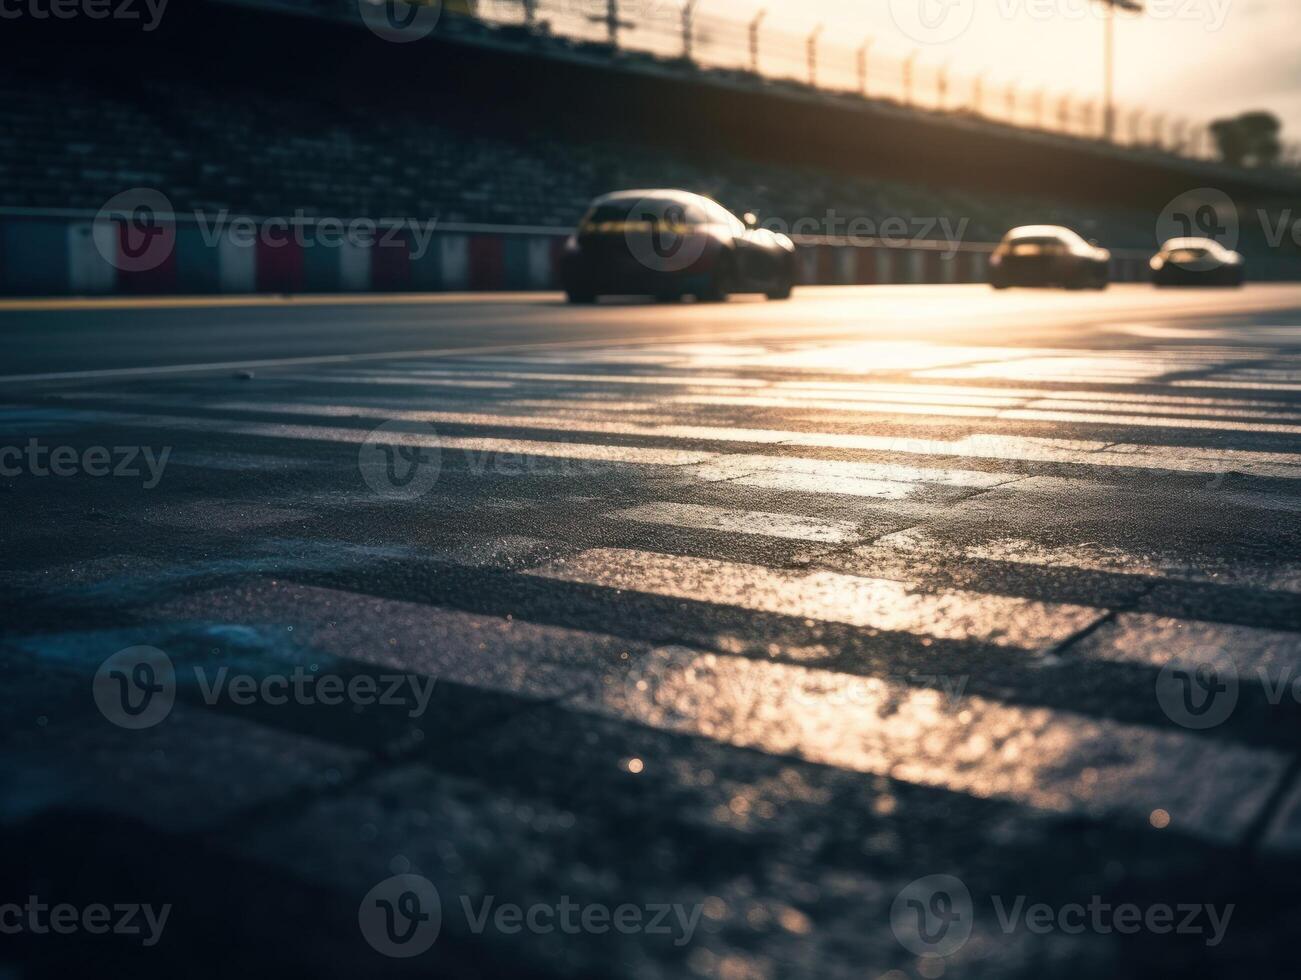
(74, 255)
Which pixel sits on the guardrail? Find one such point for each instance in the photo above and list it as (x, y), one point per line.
(69, 252)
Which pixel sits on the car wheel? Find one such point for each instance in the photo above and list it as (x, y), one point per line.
(721, 282)
(782, 291)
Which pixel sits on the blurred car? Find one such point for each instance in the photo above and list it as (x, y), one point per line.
(668, 244)
(1197, 262)
(1048, 255)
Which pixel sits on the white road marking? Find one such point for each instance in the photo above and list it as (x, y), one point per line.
(1049, 760)
(877, 604)
(766, 524)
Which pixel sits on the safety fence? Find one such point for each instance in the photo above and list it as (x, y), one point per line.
(675, 34)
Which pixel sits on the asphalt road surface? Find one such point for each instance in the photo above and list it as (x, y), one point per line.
(887, 632)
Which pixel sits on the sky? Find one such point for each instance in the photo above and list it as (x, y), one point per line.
(1197, 58)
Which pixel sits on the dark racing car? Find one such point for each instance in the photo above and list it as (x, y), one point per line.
(669, 244)
(1197, 262)
(1048, 255)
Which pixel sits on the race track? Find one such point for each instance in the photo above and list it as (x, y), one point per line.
(828, 636)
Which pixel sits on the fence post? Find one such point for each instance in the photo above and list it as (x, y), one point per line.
(1064, 113)
(812, 45)
(754, 40)
(1135, 121)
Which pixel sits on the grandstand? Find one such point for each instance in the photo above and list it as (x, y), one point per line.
(319, 118)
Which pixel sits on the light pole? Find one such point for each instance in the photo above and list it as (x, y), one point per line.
(942, 84)
(754, 40)
(1109, 63)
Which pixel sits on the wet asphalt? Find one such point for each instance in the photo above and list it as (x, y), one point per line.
(887, 632)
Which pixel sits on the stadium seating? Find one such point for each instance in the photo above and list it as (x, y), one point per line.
(72, 143)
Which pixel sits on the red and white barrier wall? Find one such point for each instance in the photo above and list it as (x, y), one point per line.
(59, 254)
